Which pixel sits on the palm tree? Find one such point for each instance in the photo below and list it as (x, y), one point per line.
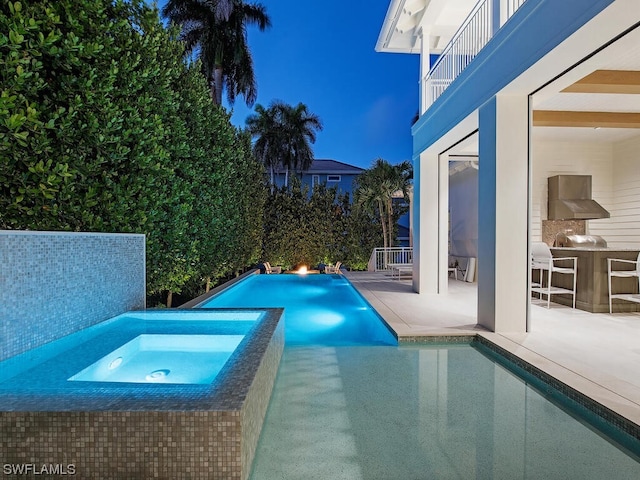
(264, 126)
(284, 135)
(299, 128)
(376, 189)
(215, 31)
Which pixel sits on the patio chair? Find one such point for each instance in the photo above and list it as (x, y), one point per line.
(270, 269)
(634, 272)
(333, 269)
(543, 260)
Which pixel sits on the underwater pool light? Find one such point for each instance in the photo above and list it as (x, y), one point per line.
(115, 363)
(157, 375)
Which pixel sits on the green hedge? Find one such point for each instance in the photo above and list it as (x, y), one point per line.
(104, 128)
(316, 227)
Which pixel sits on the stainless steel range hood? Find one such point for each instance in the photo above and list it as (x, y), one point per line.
(570, 199)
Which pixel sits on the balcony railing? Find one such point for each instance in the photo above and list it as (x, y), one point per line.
(475, 32)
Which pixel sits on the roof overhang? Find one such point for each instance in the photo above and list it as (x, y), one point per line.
(399, 33)
(408, 20)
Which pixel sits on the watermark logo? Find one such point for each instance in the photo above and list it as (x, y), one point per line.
(39, 469)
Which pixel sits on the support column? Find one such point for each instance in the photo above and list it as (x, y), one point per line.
(443, 223)
(411, 216)
(503, 193)
(424, 95)
(425, 223)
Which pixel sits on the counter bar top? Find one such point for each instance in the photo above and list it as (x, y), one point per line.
(592, 289)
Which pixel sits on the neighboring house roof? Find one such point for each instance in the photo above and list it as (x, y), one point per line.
(332, 167)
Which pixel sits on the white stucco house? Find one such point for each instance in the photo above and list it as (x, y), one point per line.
(522, 90)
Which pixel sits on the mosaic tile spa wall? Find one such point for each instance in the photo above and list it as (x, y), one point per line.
(55, 283)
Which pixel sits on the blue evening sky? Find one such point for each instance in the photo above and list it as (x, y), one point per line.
(323, 54)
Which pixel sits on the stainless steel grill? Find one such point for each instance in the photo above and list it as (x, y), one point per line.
(580, 241)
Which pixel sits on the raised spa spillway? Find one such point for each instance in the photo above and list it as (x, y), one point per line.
(186, 389)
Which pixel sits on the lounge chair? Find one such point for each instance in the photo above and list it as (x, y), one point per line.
(400, 269)
(333, 269)
(269, 269)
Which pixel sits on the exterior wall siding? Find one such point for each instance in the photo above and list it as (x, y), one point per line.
(345, 185)
(616, 185)
(56, 283)
(572, 158)
(625, 213)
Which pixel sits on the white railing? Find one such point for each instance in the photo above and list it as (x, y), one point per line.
(512, 6)
(474, 33)
(381, 257)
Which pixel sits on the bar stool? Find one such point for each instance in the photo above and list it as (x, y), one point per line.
(543, 260)
(629, 296)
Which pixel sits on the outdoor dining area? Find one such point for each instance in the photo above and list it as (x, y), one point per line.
(589, 277)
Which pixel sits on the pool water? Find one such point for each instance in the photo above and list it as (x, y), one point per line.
(423, 412)
(149, 358)
(319, 309)
(140, 347)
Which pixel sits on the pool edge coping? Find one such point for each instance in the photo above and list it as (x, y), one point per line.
(200, 299)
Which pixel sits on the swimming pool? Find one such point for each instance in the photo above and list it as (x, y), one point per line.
(320, 309)
(425, 412)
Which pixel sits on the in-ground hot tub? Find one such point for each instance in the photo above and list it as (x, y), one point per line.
(62, 404)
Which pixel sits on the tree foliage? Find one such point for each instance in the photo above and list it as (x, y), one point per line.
(104, 128)
(215, 32)
(284, 134)
(376, 189)
(316, 227)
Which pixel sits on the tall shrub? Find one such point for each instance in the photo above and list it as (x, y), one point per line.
(316, 227)
(104, 128)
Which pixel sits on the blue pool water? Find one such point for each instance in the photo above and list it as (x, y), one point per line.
(146, 347)
(424, 412)
(319, 309)
(153, 358)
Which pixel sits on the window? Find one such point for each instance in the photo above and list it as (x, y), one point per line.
(315, 180)
(333, 178)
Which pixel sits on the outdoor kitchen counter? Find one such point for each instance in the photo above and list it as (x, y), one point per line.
(592, 291)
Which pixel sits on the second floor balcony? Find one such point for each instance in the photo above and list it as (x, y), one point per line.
(452, 32)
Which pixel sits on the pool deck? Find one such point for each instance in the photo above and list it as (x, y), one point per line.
(595, 354)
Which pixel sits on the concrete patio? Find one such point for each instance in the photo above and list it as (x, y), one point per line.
(596, 354)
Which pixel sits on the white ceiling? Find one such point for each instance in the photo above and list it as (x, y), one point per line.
(622, 55)
(583, 134)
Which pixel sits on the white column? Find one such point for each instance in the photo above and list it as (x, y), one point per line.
(443, 223)
(424, 99)
(411, 216)
(503, 214)
(425, 223)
